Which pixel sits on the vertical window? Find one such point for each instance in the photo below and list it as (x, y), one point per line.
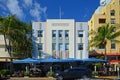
(40, 46)
(81, 25)
(60, 33)
(53, 46)
(113, 21)
(80, 33)
(113, 46)
(40, 33)
(40, 26)
(80, 46)
(53, 33)
(60, 46)
(66, 33)
(112, 12)
(66, 46)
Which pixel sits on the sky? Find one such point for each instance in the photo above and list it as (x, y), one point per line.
(41, 10)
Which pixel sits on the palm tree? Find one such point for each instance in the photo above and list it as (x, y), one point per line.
(22, 49)
(15, 37)
(102, 35)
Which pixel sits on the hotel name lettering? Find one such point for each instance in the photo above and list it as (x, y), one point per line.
(60, 24)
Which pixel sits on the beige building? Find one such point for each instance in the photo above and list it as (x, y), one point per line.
(107, 12)
(3, 52)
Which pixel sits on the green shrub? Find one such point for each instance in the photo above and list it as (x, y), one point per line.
(95, 73)
(26, 73)
(50, 73)
(4, 72)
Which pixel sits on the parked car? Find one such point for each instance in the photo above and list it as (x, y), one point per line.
(73, 73)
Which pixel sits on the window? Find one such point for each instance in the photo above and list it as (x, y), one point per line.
(81, 25)
(102, 20)
(80, 33)
(40, 26)
(66, 46)
(53, 33)
(80, 46)
(112, 12)
(113, 46)
(66, 33)
(40, 46)
(113, 21)
(40, 33)
(60, 33)
(60, 46)
(53, 46)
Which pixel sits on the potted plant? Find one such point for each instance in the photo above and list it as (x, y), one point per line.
(50, 73)
(95, 73)
(26, 74)
(4, 73)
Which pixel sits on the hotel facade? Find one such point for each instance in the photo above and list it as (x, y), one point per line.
(60, 38)
(107, 13)
(4, 55)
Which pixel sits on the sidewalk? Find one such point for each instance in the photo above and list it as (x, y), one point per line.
(51, 78)
(32, 78)
(108, 77)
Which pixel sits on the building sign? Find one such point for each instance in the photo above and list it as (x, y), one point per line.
(60, 24)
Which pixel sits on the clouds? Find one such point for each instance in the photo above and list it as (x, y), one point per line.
(28, 3)
(37, 11)
(23, 9)
(14, 8)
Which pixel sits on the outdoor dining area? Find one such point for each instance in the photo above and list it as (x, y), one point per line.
(40, 67)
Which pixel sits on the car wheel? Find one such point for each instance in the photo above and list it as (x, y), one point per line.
(60, 78)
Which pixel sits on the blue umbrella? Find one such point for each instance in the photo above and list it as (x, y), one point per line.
(50, 60)
(70, 60)
(27, 60)
(93, 60)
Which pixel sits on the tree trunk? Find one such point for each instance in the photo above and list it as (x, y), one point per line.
(105, 52)
(11, 60)
(105, 55)
(8, 47)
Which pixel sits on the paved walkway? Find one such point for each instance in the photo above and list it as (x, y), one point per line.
(51, 78)
(107, 77)
(32, 78)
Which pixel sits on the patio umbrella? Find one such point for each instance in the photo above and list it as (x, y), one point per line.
(26, 60)
(50, 60)
(114, 61)
(94, 60)
(70, 60)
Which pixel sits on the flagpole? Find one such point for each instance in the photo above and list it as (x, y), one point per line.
(60, 14)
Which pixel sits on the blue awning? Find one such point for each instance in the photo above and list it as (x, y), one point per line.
(26, 60)
(93, 60)
(50, 60)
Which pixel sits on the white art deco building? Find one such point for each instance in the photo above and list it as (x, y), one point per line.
(60, 38)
